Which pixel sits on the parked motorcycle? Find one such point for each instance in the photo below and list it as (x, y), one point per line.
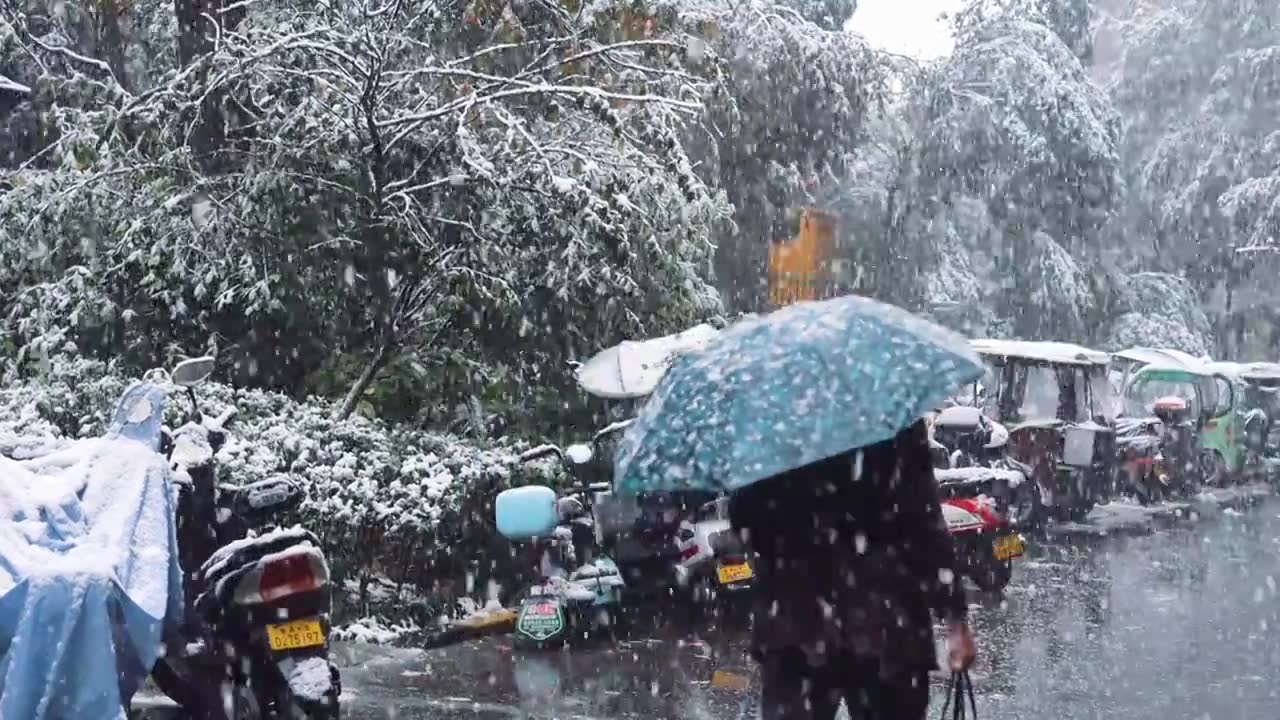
(578, 590)
(714, 565)
(1142, 470)
(254, 642)
(1179, 445)
(971, 457)
(986, 496)
(668, 544)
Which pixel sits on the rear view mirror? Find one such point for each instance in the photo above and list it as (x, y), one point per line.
(579, 454)
(526, 512)
(190, 373)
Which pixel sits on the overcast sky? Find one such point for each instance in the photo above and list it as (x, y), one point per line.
(909, 27)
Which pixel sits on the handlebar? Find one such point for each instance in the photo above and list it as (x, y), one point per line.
(540, 452)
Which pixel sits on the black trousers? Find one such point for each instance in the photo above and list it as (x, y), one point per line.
(793, 690)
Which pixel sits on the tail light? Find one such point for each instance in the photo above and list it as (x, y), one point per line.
(688, 553)
(299, 569)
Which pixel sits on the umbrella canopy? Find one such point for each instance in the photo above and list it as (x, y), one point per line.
(787, 389)
(632, 369)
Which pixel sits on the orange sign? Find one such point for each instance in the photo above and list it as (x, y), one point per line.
(799, 267)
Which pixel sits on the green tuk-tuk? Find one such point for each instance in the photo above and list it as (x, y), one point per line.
(1146, 375)
(1254, 390)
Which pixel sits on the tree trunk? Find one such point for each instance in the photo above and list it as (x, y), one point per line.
(196, 38)
(111, 41)
(363, 382)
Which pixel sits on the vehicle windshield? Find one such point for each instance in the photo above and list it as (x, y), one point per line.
(1041, 395)
(1043, 392)
(1144, 391)
(992, 387)
(1104, 394)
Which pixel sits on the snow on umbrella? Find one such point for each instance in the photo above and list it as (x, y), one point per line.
(632, 369)
(788, 389)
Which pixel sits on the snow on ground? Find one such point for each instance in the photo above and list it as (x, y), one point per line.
(1123, 517)
(374, 631)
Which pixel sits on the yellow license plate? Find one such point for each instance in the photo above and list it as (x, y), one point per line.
(294, 635)
(734, 573)
(1008, 547)
(489, 620)
(725, 680)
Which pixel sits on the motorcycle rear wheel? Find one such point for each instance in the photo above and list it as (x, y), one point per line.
(1025, 508)
(176, 680)
(991, 575)
(288, 708)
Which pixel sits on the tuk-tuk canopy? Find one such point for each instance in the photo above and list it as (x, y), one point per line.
(1031, 381)
(1261, 372)
(1164, 358)
(1052, 353)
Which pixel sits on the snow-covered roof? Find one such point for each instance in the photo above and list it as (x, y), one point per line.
(13, 86)
(1260, 371)
(1222, 367)
(1042, 351)
(1162, 359)
(978, 474)
(1245, 371)
(1161, 356)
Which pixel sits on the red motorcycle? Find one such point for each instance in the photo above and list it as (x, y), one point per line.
(986, 545)
(986, 496)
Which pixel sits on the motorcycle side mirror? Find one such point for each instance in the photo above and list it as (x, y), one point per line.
(190, 373)
(579, 453)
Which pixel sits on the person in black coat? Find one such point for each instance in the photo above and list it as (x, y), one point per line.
(852, 555)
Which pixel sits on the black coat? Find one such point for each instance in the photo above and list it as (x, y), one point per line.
(849, 562)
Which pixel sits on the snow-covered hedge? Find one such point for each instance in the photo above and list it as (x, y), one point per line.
(390, 502)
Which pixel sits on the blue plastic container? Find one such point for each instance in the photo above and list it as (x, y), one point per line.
(526, 512)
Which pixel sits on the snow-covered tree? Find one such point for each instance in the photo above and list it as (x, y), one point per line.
(789, 114)
(381, 188)
(890, 228)
(1197, 82)
(1015, 121)
(1161, 311)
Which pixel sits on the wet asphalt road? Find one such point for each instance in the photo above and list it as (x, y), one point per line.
(1180, 623)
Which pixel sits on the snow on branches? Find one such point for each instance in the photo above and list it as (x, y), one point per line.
(384, 178)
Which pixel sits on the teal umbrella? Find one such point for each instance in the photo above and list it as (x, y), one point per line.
(781, 391)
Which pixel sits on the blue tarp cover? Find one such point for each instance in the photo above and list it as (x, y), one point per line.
(89, 574)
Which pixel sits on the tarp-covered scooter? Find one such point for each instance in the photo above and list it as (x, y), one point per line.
(89, 575)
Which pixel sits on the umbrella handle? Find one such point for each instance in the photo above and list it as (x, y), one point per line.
(960, 688)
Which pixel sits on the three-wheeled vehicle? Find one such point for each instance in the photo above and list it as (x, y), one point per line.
(1148, 376)
(1249, 412)
(669, 545)
(1055, 400)
(1261, 406)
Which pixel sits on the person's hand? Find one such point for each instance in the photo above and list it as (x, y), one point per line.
(961, 650)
